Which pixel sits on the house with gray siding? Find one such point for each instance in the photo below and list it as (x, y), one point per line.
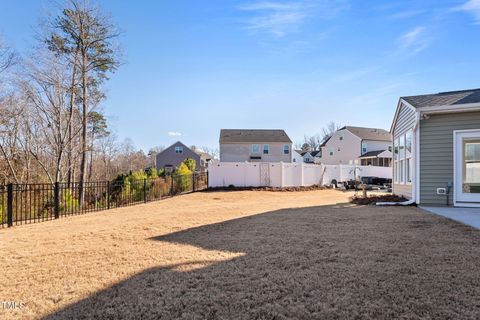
(436, 143)
(171, 157)
(255, 145)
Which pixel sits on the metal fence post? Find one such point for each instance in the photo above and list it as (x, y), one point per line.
(10, 204)
(193, 182)
(56, 200)
(108, 195)
(144, 190)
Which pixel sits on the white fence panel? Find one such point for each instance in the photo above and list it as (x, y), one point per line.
(380, 172)
(330, 172)
(292, 174)
(312, 175)
(252, 175)
(278, 174)
(231, 173)
(275, 174)
(353, 172)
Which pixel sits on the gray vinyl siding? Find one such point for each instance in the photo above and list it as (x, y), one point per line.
(436, 153)
(168, 157)
(405, 122)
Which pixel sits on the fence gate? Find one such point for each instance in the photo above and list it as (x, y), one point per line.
(264, 174)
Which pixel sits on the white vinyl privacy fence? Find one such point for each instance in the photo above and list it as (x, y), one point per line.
(279, 174)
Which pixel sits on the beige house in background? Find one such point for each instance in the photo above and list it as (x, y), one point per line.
(357, 145)
(255, 145)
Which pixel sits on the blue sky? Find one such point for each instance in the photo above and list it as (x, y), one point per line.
(194, 67)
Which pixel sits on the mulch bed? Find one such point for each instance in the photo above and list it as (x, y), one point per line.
(372, 200)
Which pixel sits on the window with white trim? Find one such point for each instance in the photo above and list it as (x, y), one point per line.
(255, 148)
(178, 149)
(364, 147)
(396, 162)
(401, 152)
(408, 156)
(402, 158)
(286, 149)
(266, 148)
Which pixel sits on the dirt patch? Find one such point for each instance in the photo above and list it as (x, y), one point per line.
(372, 200)
(245, 255)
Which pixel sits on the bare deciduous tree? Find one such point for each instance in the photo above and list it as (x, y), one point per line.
(46, 89)
(329, 130)
(83, 31)
(7, 57)
(314, 142)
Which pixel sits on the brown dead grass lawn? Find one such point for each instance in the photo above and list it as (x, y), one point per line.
(243, 255)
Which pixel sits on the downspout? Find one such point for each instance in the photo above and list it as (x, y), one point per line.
(411, 201)
(404, 203)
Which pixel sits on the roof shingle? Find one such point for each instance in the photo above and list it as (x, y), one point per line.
(253, 135)
(369, 133)
(444, 98)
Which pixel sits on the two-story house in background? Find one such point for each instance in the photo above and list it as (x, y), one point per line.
(171, 157)
(358, 145)
(255, 145)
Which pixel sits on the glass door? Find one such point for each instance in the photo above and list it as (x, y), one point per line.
(467, 168)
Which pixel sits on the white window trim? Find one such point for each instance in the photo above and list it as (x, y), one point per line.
(455, 173)
(400, 165)
(253, 148)
(178, 149)
(267, 148)
(286, 147)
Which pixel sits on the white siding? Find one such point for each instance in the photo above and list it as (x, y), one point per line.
(376, 145)
(344, 151)
(297, 157)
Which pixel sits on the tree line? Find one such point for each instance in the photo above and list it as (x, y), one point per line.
(314, 142)
(52, 126)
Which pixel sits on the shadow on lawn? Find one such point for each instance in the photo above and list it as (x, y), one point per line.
(307, 263)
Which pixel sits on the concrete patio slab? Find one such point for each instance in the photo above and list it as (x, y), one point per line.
(469, 216)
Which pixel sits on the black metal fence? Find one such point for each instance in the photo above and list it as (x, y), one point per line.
(30, 203)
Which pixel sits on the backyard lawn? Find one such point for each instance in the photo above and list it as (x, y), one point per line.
(243, 255)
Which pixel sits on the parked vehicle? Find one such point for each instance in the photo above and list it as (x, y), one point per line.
(376, 181)
(370, 183)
